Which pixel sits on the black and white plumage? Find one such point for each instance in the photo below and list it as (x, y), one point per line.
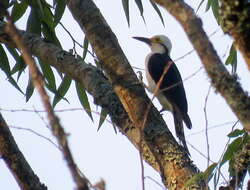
(171, 93)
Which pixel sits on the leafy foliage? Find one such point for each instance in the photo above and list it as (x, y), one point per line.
(42, 19)
(232, 59)
(125, 4)
(214, 4)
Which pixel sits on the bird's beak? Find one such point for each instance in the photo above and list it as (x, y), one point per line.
(146, 40)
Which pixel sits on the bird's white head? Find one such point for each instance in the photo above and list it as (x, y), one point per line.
(158, 43)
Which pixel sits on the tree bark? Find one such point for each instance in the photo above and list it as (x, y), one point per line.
(235, 21)
(226, 84)
(174, 163)
(158, 147)
(15, 161)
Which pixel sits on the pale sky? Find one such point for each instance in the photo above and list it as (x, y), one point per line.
(104, 154)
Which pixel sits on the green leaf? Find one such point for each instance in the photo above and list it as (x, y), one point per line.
(103, 116)
(236, 133)
(208, 5)
(14, 83)
(49, 34)
(231, 149)
(48, 74)
(83, 99)
(139, 5)
(18, 10)
(232, 59)
(125, 4)
(62, 90)
(59, 10)
(215, 9)
(34, 22)
(157, 11)
(20, 64)
(4, 62)
(47, 16)
(208, 173)
(4, 65)
(85, 46)
(19, 67)
(29, 89)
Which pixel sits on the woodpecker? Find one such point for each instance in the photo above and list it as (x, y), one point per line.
(171, 93)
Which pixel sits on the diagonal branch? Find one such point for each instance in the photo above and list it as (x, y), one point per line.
(235, 21)
(175, 166)
(224, 83)
(15, 161)
(57, 130)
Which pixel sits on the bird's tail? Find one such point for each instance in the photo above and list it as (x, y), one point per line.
(179, 130)
(187, 120)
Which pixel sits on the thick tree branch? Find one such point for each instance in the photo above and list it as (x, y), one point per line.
(15, 161)
(235, 20)
(175, 165)
(223, 82)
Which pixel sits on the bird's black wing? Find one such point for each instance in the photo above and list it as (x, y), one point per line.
(172, 82)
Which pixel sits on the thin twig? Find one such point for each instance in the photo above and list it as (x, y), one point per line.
(76, 42)
(57, 130)
(36, 133)
(206, 125)
(212, 127)
(146, 115)
(152, 179)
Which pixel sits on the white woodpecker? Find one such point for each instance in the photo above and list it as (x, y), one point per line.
(171, 93)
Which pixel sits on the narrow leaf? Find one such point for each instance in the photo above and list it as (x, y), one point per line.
(4, 62)
(48, 74)
(236, 133)
(208, 5)
(215, 9)
(14, 83)
(83, 99)
(232, 59)
(18, 10)
(208, 173)
(231, 149)
(85, 46)
(125, 4)
(59, 10)
(140, 6)
(157, 11)
(20, 64)
(62, 90)
(29, 89)
(48, 17)
(49, 34)
(33, 23)
(103, 116)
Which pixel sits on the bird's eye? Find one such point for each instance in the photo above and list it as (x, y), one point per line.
(157, 39)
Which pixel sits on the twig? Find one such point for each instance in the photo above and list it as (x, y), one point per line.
(75, 41)
(212, 127)
(206, 125)
(57, 130)
(152, 179)
(36, 133)
(146, 115)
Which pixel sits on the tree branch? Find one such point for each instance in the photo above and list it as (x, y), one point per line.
(235, 21)
(15, 161)
(56, 128)
(159, 148)
(175, 166)
(224, 83)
